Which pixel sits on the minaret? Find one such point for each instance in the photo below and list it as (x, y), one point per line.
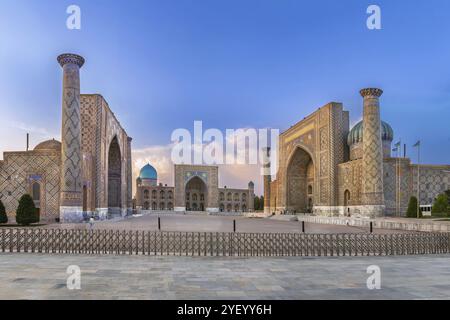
(71, 201)
(372, 164)
(267, 180)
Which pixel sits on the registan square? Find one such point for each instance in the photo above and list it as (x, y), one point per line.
(224, 151)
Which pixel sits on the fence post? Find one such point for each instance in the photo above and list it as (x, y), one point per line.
(371, 226)
(234, 225)
(303, 226)
(159, 224)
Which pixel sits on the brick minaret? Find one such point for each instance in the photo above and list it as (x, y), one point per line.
(267, 181)
(71, 199)
(372, 167)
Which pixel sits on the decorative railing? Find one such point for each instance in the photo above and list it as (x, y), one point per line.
(71, 241)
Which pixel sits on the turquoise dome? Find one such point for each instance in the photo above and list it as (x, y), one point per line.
(356, 134)
(148, 172)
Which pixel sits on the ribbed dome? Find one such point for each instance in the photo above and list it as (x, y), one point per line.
(356, 133)
(49, 145)
(148, 172)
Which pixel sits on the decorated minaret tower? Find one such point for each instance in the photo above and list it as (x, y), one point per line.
(372, 167)
(71, 201)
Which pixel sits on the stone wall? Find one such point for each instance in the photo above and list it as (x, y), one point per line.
(20, 170)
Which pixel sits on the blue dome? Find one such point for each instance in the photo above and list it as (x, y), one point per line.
(356, 133)
(148, 172)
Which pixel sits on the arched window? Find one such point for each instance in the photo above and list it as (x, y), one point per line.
(170, 206)
(229, 196)
(36, 191)
(222, 196)
(36, 194)
(161, 206)
(162, 194)
(244, 208)
(187, 196)
(229, 208)
(310, 189)
(236, 197)
(154, 194)
(236, 207)
(202, 197)
(146, 194)
(222, 207)
(244, 197)
(146, 205)
(154, 206)
(194, 197)
(170, 194)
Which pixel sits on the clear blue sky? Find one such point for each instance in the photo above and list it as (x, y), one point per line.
(231, 63)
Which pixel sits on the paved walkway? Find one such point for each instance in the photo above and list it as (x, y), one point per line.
(201, 223)
(27, 276)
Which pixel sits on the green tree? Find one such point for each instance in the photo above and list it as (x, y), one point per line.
(3, 216)
(448, 196)
(256, 203)
(440, 206)
(26, 213)
(412, 208)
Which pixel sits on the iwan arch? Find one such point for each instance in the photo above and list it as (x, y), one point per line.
(328, 169)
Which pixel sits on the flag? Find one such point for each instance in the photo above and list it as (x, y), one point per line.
(417, 144)
(398, 144)
(395, 150)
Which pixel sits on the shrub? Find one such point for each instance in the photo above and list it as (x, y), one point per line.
(412, 208)
(26, 213)
(440, 206)
(3, 216)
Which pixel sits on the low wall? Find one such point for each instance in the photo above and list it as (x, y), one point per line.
(383, 223)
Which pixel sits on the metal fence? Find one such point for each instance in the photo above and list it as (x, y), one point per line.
(219, 244)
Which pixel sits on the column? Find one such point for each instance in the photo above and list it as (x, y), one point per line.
(372, 167)
(71, 198)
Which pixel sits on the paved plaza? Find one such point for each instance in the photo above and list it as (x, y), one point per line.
(32, 276)
(206, 223)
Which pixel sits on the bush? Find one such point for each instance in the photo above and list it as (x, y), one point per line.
(26, 213)
(3, 216)
(440, 206)
(412, 208)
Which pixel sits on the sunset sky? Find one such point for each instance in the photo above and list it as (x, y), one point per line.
(232, 64)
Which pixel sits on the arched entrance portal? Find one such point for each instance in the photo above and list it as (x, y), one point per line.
(197, 190)
(114, 178)
(300, 182)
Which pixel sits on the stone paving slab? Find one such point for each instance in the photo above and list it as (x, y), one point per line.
(33, 276)
(205, 223)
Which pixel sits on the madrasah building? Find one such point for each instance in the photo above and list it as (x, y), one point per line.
(328, 169)
(87, 173)
(196, 188)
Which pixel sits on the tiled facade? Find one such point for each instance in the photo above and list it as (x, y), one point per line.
(195, 189)
(95, 172)
(318, 171)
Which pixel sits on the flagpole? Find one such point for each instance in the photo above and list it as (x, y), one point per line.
(418, 181)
